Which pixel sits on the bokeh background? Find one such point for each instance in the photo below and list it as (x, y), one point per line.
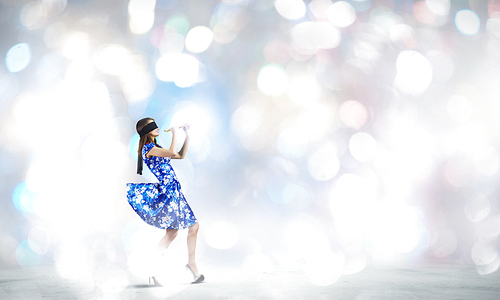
(326, 135)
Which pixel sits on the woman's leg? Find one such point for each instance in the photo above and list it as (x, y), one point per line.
(170, 235)
(191, 245)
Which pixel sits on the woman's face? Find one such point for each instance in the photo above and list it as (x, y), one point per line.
(156, 132)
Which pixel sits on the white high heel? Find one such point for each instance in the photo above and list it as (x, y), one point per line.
(197, 279)
(156, 282)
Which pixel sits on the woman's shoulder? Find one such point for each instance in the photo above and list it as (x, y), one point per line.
(147, 147)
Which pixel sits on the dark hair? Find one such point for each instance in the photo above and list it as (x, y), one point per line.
(145, 139)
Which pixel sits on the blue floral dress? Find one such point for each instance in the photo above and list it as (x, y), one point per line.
(160, 204)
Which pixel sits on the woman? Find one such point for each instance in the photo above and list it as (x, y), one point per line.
(163, 204)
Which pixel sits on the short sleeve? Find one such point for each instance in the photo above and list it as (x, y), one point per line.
(146, 149)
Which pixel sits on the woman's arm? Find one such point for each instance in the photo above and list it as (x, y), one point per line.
(182, 152)
(170, 152)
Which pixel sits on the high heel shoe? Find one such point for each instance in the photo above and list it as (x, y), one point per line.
(196, 279)
(156, 282)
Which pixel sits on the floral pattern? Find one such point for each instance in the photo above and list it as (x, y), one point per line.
(160, 204)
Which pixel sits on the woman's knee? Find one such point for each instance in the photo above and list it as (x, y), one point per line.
(194, 228)
(172, 233)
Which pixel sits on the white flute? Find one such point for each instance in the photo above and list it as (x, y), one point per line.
(168, 130)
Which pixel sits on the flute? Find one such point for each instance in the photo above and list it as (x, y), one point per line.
(168, 130)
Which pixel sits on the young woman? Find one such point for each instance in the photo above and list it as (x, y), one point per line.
(163, 204)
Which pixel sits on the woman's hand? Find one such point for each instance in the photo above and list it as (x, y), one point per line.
(186, 128)
(173, 129)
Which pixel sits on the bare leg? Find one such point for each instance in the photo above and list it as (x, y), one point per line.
(191, 244)
(166, 240)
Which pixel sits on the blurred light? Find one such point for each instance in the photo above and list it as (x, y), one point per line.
(459, 108)
(319, 8)
(304, 91)
(22, 198)
(468, 138)
(443, 66)
(423, 14)
(484, 253)
(353, 114)
(487, 161)
(137, 7)
(410, 140)
(223, 34)
(445, 243)
(292, 142)
(222, 235)
(111, 280)
(80, 71)
(172, 42)
(50, 68)
(182, 69)
(493, 26)
(493, 9)
(39, 240)
(54, 35)
(178, 24)
(199, 147)
(199, 39)
(324, 269)
(290, 9)
(257, 261)
(381, 22)
(311, 36)
(112, 58)
(304, 240)
(25, 111)
(467, 22)
(202, 120)
(363, 146)
(317, 120)
(457, 173)
(55, 6)
(133, 145)
(274, 189)
(137, 83)
(8, 249)
(73, 261)
(230, 14)
(142, 15)
(477, 208)
(439, 7)
(489, 268)
(246, 119)
(414, 72)
(26, 257)
(352, 204)
(9, 87)
(487, 230)
(272, 80)
(18, 57)
(395, 229)
(276, 52)
(361, 5)
(142, 23)
(141, 241)
(403, 36)
(34, 15)
(296, 195)
(224, 150)
(76, 46)
(341, 14)
(366, 52)
(324, 164)
(135, 78)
